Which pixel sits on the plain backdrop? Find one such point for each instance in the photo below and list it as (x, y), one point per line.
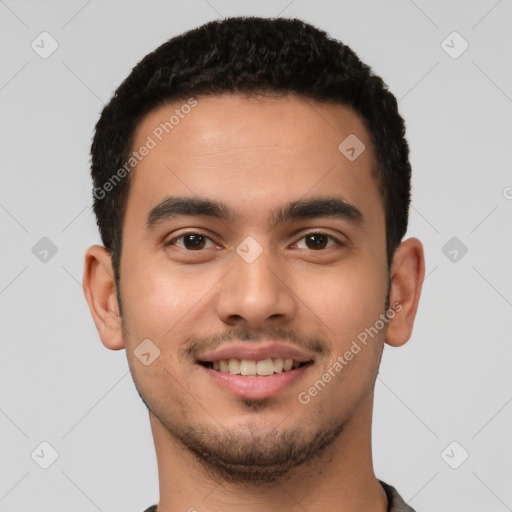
(443, 411)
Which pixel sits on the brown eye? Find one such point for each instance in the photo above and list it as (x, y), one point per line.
(191, 241)
(318, 241)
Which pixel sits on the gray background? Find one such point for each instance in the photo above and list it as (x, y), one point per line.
(451, 382)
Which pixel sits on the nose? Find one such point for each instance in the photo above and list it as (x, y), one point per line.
(256, 294)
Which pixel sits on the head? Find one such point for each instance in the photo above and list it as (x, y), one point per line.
(252, 186)
(238, 55)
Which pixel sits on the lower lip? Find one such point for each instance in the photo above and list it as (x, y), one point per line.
(256, 387)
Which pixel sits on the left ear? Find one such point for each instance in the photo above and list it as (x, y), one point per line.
(406, 275)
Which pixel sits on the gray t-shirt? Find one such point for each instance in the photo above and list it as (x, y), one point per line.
(395, 501)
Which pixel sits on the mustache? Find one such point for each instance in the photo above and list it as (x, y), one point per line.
(194, 345)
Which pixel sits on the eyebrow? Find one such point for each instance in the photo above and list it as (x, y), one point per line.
(318, 207)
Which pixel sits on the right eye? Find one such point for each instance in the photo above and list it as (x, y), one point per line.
(191, 241)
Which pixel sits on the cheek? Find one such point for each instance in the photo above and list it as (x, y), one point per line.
(160, 298)
(349, 303)
(345, 300)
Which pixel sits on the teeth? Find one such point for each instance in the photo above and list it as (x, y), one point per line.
(249, 367)
(265, 367)
(278, 364)
(234, 366)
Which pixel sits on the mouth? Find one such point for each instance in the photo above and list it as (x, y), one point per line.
(255, 371)
(248, 383)
(252, 368)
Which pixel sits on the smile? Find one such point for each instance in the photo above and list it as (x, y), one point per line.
(251, 368)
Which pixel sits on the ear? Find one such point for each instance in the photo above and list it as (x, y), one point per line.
(100, 292)
(407, 274)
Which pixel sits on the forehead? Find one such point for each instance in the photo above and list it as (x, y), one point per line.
(253, 153)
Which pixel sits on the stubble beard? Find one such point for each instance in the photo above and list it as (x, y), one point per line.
(249, 456)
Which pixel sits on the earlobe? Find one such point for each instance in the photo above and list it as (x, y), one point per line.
(407, 275)
(100, 292)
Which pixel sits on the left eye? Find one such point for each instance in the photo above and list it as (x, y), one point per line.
(317, 241)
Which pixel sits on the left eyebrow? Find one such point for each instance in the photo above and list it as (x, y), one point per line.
(333, 207)
(319, 207)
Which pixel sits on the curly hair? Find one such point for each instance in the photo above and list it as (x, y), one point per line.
(251, 56)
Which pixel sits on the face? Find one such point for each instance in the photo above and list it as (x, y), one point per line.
(252, 243)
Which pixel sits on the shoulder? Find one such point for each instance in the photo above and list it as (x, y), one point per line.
(396, 502)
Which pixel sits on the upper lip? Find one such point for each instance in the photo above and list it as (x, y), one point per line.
(256, 352)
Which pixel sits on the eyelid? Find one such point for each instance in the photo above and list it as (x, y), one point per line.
(321, 232)
(302, 235)
(186, 233)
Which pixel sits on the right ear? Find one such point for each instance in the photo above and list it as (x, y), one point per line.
(100, 292)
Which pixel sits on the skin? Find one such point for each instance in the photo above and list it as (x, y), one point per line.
(255, 155)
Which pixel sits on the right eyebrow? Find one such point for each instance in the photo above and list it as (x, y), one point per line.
(175, 206)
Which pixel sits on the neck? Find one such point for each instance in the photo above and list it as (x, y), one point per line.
(340, 479)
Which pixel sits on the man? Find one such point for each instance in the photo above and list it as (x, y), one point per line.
(252, 186)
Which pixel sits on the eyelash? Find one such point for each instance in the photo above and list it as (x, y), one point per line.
(171, 242)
